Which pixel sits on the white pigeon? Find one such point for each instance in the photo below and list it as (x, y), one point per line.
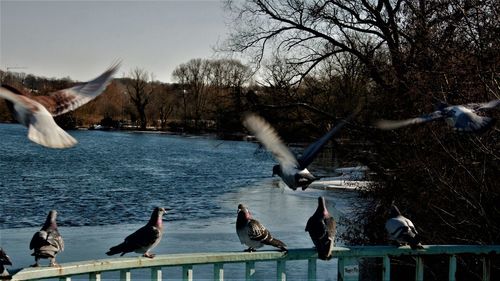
(292, 171)
(37, 112)
(401, 230)
(462, 118)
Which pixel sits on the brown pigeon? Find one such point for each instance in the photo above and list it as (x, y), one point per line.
(37, 112)
(322, 227)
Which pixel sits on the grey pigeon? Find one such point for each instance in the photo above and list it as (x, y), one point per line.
(322, 228)
(463, 118)
(47, 242)
(145, 238)
(4, 260)
(292, 171)
(252, 233)
(401, 230)
(37, 112)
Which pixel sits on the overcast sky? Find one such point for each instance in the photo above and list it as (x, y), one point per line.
(80, 39)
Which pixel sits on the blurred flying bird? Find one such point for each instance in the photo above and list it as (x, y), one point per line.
(292, 171)
(47, 242)
(401, 230)
(37, 112)
(252, 233)
(322, 227)
(463, 118)
(145, 238)
(4, 260)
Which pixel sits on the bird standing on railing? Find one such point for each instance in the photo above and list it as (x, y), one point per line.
(47, 242)
(292, 171)
(37, 112)
(322, 227)
(145, 238)
(252, 233)
(462, 118)
(4, 260)
(401, 230)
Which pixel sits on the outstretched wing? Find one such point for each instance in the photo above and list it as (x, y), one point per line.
(69, 99)
(313, 149)
(266, 134)
(395, 124)
(488, 105)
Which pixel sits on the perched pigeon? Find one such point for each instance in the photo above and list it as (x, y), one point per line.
(36, 112)
(322, 227)
(462, 118)
(252, 233)
(145, 238)
(4, 260)
(47, 242)
(401, 230)
(292, 171)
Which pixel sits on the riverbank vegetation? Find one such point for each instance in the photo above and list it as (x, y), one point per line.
(311, 63)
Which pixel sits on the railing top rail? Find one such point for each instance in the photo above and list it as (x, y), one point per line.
(115, 264)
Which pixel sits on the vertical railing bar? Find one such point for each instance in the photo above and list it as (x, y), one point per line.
(311, 269)
(218, 272)
(95, 276)
(386, 268)
(187, 273)
(452, 269)
(249, 270)
(419, 269)
(340, 268)
(156, 273)
(65, 278)
(486, 268)
(125, 275)
(281, 270)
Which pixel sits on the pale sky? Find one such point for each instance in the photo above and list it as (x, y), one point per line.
(80, 39)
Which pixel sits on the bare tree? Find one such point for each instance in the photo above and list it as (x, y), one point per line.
(140, 90)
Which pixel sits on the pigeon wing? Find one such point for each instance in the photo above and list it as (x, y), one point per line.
(55, 239)
(42, 129)
(256, 231)
(39, 240)
(4, 259)
(143, 237)
(313, 149)
(483, 106)
(69, 99)
(266, 134)
(395, 124)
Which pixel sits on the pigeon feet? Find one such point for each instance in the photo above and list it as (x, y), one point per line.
(149, 255)
(35, 265)
(250, 250)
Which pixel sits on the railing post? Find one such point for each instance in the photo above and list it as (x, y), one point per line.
(348, 269)
(156, 273)
(311, 269)
(95, 276)
(281, 270)
(125, 275)
(187, 273)
(218, 272)
(65, 278)
(486, 268)
(249, 270)
(386, 269)
(419, 269)
(452, 270)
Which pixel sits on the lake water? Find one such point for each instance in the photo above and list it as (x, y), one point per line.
(106, 186)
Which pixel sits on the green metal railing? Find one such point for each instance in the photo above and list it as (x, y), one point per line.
(347, 266)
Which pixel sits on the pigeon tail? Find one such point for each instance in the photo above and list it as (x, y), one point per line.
(325, 250)
(276, 243)
(121, 248)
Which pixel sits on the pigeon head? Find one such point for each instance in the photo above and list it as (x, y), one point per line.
(322, 207)
(243, 212)
(394, 212)
(157, 216)
(51, 220)
(277, 170)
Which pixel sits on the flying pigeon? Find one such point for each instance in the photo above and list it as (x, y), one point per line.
(37, 112)
(47, 242)
(4, 260)
(401, 230)
(145, 238)
(292, 171)
(462, 118)
(322, 227)
(252, 233)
